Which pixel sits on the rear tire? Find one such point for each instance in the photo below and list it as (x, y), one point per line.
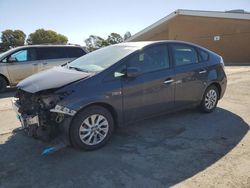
(3, 84)
(91, 128)
(210, 99)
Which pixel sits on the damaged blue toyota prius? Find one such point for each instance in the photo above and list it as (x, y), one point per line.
(80, 103)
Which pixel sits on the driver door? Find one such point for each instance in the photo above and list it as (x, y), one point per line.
(22, 64)
(151, 92)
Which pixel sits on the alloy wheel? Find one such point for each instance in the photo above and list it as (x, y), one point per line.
(94, 129)
(210, 99)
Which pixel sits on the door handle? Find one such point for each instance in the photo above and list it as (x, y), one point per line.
(35, 64)
(45, 63)
(202, 71)
(168, 81)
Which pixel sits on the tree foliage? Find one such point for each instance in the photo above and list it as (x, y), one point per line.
(127, 35)
(95, 42)
(12, 38)
(114, 38)
(41, 36)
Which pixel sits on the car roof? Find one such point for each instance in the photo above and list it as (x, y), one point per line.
(135, 44)
(40, 46)
(142, 44)
(47, 45)
(145, 43)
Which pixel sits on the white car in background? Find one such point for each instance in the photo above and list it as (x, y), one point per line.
(21, 62)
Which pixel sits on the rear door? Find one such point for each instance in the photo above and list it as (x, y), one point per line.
(52, 56)
(56, 56)
(152, 92)
(191, 74)
(25, 64)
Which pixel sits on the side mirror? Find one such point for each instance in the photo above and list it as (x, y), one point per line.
(12, 59)
(132, 72)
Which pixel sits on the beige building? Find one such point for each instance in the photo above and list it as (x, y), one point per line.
(226, 33)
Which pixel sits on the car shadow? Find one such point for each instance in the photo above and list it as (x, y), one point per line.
(158, 152)
(10, 92)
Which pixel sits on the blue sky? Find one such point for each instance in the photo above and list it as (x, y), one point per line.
(77, 19)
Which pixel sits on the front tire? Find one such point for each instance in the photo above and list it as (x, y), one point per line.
(210, 99)
(3, 84)
(91, 128)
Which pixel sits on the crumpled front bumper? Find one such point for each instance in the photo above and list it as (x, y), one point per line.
(60, 142)
(26, 120)
(30, 123)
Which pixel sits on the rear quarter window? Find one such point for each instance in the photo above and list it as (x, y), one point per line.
(203, 55)
(74, 52)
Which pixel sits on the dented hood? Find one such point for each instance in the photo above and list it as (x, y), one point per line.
(52, 78)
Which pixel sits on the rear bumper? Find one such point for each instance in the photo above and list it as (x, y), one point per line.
(223, 85)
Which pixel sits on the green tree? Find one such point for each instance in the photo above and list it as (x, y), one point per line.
(114, 38)
(95, 42)
(126, 35)
(12, 38)
(41, 36)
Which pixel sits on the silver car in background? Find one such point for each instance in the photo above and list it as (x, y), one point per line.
(21, 62)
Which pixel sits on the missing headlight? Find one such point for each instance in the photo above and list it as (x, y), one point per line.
(48, 101)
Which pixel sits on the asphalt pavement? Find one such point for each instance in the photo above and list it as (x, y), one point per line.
(182, 149)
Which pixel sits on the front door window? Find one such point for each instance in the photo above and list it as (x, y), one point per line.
(20, 56)
(151, 59)
(24, 55)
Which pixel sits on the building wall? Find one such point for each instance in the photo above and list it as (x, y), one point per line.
(234, 43)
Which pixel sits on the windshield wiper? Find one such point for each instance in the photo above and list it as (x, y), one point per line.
(66, 64)
(78, 69)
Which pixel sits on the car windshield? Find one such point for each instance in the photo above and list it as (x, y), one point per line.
(103, 58)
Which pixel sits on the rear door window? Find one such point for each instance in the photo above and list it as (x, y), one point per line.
(51, 53)
(184, 54)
